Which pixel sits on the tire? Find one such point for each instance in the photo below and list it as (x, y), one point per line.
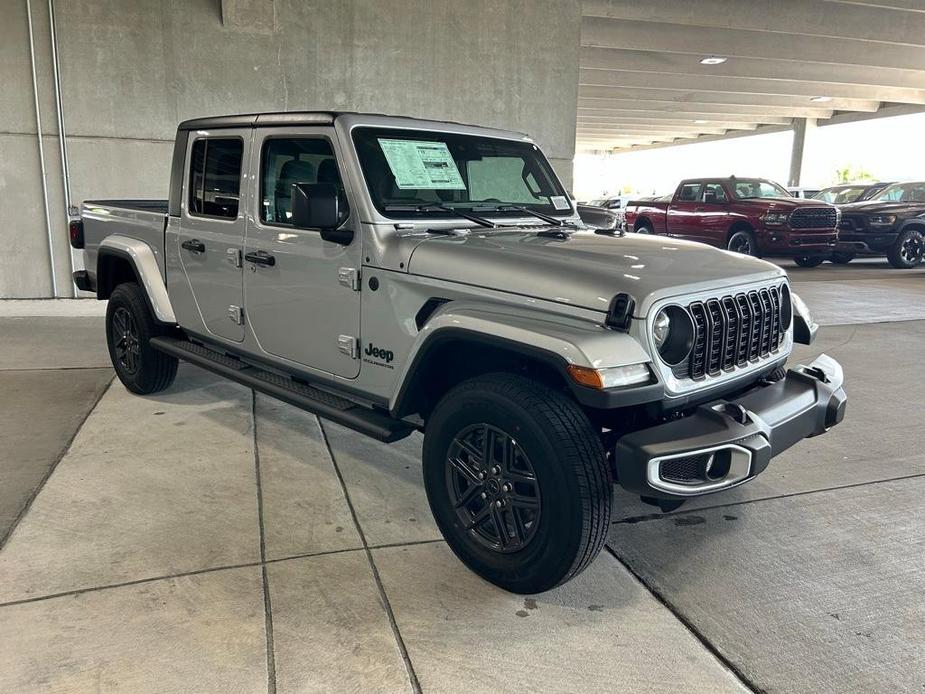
(809, 260)
(555, 463)
(906, 253)
(842, 258)
(644, 228)
(743, 242)
(129, 327)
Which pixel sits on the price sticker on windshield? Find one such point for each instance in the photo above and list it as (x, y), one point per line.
(417, 164)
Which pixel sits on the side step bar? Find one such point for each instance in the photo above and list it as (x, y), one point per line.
(322, 403)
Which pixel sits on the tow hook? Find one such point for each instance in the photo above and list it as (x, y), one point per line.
(734, 411)
(816, 373)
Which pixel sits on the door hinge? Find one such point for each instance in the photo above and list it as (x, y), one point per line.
(349, 277)
(234, 256)
(349, 345)
(236, 314)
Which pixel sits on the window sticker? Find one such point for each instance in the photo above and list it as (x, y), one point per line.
(559, 202)
(422, 165)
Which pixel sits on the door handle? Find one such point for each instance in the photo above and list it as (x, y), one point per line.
(260, 258)
(194, 245)
(699, 209)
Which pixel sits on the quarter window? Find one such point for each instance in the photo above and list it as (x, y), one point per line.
(215, 177)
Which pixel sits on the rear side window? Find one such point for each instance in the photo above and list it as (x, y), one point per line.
(689, 192)
(215, 177)
(713, 192)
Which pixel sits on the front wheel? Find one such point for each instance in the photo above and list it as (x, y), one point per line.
(743, 242)
(908, 250)
(809, 260)
(129, 327)
(643, 228)
(518, 482)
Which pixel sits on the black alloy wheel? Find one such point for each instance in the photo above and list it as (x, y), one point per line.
(493, 488)
(908, 250)
(126, 342)
(743, 242)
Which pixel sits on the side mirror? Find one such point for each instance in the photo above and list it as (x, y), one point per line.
(317, 206)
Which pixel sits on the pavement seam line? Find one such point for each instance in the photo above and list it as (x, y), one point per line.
(632, 520)
(211, 569)
(691, 628)
(267, 604)
(55, 368)
(54, 466)
(383, 596)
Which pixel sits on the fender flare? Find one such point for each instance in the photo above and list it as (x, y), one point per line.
(142, 259)
(535, 336)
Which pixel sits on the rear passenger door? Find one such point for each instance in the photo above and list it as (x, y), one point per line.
(713, 217)
(211, 235)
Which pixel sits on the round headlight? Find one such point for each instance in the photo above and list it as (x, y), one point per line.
(661, 328)
(673, 334)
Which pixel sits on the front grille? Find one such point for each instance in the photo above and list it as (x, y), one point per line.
(853, 222)
(814, 218)
(732, 331)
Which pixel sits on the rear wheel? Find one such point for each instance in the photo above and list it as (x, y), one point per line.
(743, 242)
(842, 258)
(908, 250)
(129, 328)
(809, 260)
(518, 482)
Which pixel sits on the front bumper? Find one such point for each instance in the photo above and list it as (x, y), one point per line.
(866, 242)
(781, 241)
(727, 442)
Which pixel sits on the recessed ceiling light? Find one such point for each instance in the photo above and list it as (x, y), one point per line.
(701, 122)
(821, 99)
(712, 60)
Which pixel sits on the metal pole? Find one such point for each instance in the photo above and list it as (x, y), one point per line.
(38, 127)
(62, 136)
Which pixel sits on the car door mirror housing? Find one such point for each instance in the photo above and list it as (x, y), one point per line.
(317, 206)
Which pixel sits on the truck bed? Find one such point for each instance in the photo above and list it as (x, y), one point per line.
(143, 220)
(159, 206)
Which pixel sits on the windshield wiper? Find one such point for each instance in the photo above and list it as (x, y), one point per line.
(545, 217)
(445, 208)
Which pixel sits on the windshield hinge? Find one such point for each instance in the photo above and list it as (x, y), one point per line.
(349, 277)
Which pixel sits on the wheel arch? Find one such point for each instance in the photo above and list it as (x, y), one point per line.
(737, 226)
(123, 259)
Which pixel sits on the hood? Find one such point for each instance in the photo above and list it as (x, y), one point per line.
(880, 207)
(783, 203)
(586, 269)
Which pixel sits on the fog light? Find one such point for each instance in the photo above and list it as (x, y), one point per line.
(613, 377)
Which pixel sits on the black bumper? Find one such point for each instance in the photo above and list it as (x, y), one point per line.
(727, 442)
(83, 281)
(871, 242)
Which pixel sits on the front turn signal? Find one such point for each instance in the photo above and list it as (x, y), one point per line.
(613, 377)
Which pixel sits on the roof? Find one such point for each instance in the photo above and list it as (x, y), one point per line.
(252, 120)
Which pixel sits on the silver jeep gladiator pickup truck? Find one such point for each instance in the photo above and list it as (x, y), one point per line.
(394, 275)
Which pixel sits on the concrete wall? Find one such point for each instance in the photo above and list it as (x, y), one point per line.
(131, 69)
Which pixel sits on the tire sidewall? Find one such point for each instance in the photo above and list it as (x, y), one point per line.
(129, 296)
(558, 537)
(895, 256)
(752, 243)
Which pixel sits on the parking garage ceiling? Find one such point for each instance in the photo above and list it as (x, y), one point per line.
(666, 72)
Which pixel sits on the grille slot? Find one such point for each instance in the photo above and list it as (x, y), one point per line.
(690, 469)
(813, 218)
(734, 330)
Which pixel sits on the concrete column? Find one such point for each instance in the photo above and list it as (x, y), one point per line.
(803, 129)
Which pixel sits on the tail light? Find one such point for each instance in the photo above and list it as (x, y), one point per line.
(76, 231)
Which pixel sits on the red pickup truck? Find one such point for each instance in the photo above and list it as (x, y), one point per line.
(753, 216)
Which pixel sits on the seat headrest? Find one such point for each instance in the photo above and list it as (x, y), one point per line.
(295, 171)
(328, 173)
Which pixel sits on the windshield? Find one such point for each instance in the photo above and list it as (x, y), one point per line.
(902, 192)
(840, 196)
(409, 172)
(757, 188)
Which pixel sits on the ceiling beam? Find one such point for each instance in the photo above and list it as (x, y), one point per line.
(805, 17)
(708, 40)
(699, 108)
(755, 68)
(750, 87)
(660, 116)
(676, 125)
(704, 95)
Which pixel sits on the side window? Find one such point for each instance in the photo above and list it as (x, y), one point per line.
(287, 161)
(215, 177)
(689, 192)
(714, 192)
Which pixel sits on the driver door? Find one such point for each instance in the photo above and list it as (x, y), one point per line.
(302, 292)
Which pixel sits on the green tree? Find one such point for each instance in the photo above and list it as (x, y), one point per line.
(850, 174)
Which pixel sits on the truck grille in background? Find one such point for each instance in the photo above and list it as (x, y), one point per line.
(813, 218)
(733, 331)
(853, 222)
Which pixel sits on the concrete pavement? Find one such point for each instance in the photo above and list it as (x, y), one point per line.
(208, 539)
